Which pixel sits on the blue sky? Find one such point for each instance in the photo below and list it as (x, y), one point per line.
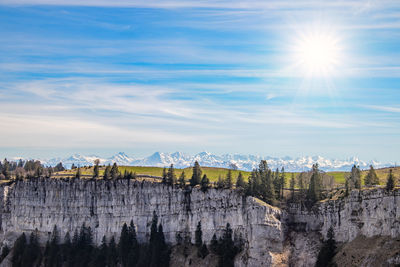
(221, 76)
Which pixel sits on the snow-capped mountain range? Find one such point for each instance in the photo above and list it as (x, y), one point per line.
(242, 162)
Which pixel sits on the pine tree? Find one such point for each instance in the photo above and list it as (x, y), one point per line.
(112, 254)
(220, 182)
(228, 180)
(171, 177)
(198, 235)
(18, 250)
(124, 245)
(228, 249)
(327, 251)
(282, 182)
(107, 172)
(301, 184)
(164, 176)
(292, 184)
(240, 181)
(314, 189)
(182, 180)
(277, 183)
(6, 169)
(78, 173)
(214, 245)
(371, 178)
(96, 169)
(205, 183)
(390, 183)
(133, 256)
(355, 178)
(114, 171)
(196, 176)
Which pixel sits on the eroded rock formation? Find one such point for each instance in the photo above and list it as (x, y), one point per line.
(271, 236)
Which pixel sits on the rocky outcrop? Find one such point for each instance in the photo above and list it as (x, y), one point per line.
(272, 237)
(369, 212)
(106, 205)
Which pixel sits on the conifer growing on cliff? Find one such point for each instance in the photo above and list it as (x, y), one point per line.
(240, 184)
(196, 176)
(314, 189)
(114, 171)
(371, 178)
(327, 251)
(96, 169)
(171, 177)
(182, 180)
(228, 180)
(198, 235)
(390, 183)
(164, 176)
(205, 183)
(107, 172)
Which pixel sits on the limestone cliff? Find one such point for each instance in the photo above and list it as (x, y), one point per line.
(106, 205)
(272, 236)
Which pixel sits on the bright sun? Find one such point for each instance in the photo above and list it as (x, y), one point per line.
(317, 54)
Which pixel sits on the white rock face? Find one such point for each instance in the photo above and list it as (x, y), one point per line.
(106, 205)
(364, 212)
(272, 237)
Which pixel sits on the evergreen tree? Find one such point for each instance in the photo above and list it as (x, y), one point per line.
(114, 171)
(4, 252)
(301, 184)
(164, 176)
(327, 251)
(269, 195)
(314, 189)
(107, 172)
(6, 169)
(240, 184)
(203, 251)
(112, 254)
(390, 183)
(220, 182)
(198, 234)
(205, 183)
(214, 246)
(354, 178)
(133, 256)
(371, 178)
(292, 183)
(59, 167)
(228, 249)
(277, 183)
(228, 180)
(182, 180)
(73, 166)
(196, 176)
(282, 182)
(78, 173)
(171, 177)
(32, 251)
(18, 250)
(96, 169)
(125, 245)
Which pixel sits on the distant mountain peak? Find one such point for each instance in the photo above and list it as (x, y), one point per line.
(243, 162)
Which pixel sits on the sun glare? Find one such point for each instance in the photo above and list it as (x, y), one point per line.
(317, 54)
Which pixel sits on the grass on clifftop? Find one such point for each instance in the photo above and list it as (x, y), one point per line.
(213, 173)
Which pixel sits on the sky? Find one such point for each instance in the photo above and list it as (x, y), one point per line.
(98, 77)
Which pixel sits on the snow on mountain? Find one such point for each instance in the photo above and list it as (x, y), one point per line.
(243, 162)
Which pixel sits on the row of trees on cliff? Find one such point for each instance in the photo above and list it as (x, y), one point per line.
(26, 169)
